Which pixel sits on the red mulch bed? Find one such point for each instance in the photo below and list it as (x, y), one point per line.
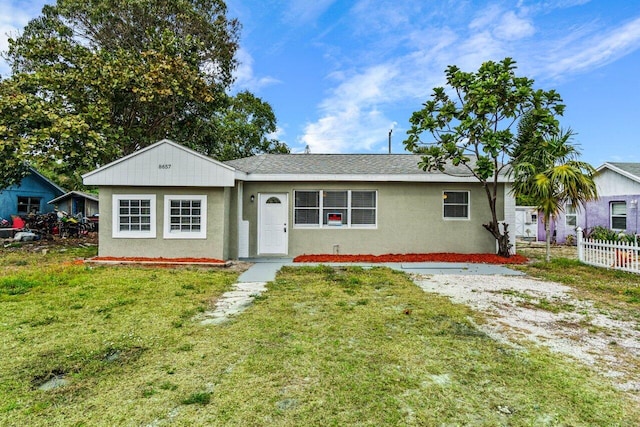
(159, 260)
(435, 257)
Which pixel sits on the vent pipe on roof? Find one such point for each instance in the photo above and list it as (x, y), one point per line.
(390, 132)
(307, 150)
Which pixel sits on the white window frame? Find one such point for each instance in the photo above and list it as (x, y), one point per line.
(173, 234)
(468, 205)
(611, 215)
(568, 214)
(138, 234)
(349, 209)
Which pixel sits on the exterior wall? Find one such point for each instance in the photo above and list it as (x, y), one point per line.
(598, 213)
(611, 183)
(30, 186)
(409, 220)
(211, 247)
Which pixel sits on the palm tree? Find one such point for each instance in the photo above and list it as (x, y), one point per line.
(547, 170)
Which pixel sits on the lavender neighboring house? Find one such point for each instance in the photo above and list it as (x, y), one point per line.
(616, 208)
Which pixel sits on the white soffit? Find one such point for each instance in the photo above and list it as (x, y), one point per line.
(165, 164)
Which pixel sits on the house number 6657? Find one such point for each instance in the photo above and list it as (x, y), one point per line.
(164, 166)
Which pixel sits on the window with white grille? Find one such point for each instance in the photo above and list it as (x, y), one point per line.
(134, 216)
(185, 217)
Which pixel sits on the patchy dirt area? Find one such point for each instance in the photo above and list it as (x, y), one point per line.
(53, 242)
(525, 309)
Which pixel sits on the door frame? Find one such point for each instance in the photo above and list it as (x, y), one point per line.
(263, 197)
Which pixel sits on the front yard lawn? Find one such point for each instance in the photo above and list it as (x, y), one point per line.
(321, 347)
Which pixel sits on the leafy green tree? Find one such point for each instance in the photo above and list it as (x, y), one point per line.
(547, 172)
(97, 80)
(471, 125)
(242, 129)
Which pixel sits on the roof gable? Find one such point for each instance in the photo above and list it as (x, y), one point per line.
(629, 170)
(56, 188)
(164, 163)
(71, 194)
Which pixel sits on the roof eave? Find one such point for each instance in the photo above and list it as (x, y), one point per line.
(361, 178)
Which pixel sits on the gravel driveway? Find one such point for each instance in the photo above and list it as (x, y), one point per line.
(521, 309)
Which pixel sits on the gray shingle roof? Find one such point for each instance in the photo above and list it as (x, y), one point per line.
(337, 164)
(632, 168)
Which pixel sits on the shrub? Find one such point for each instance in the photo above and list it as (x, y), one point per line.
(606, 234)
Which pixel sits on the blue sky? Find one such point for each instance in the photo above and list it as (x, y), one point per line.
(340, 74)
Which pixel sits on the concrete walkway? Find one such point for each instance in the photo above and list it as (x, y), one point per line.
(253, 281)
(266, 269)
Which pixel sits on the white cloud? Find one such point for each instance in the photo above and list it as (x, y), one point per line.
(512, 27)
(594, 51)
(350, 119)
(245, 77)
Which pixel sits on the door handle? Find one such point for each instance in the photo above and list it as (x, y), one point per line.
(285, 228)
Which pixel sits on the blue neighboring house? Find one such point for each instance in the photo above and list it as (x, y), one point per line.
(30, 195)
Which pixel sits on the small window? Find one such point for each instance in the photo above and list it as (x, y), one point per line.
(618, 215)
(185, 217)
(134, 215)
(273, 201)
(456, 204)
(570, 216)
(27, 205)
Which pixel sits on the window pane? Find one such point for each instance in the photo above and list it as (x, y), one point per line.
(618, 208)
(456, 197)
(307, 216)
(363, 199)
(456, 211)
(307, 199)
(363, 217)
(619, 223)
(185, 215)
(571, 220)
(336, 199)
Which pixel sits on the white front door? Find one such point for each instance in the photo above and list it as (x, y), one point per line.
(272, 223)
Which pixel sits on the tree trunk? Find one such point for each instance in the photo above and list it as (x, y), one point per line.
(547, 232)
(504, 246)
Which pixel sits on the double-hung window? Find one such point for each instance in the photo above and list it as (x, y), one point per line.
(134, 216)
(185, 217)
(571, 216)
(455, 204)
(335, 208)
(618, 215)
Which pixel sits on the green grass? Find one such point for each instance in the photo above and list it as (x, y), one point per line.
(610, 289)
(320, 347)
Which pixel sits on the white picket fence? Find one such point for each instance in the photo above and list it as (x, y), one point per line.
(616, 255)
